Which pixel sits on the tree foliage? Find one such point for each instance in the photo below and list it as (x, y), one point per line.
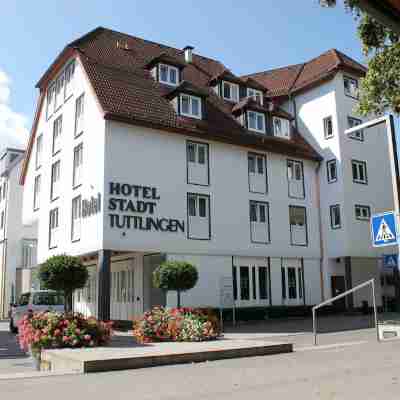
(65, 274)
(179, 276)
(380, 89)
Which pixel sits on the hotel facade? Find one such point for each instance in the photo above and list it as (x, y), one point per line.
(141, 153)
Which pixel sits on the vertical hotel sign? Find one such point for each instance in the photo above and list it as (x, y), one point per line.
(134, 207)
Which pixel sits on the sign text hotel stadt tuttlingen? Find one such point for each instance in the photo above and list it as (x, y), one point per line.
(126, 200)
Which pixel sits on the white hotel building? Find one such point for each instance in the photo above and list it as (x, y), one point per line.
(140, 152)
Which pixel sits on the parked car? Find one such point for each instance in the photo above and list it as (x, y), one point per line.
(35, 301)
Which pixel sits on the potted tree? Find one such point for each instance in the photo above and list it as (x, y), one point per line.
(65, 274)
(178, 276)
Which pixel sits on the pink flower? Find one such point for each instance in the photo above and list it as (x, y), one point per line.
(77, 331)
(66, 339)
(87, 337)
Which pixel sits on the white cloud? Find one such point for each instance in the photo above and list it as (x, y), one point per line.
(13, 126)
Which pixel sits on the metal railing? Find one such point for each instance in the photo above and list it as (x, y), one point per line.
(340, 296)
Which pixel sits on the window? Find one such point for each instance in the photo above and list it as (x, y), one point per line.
(55, 180)
(29, 248)
(54, 225)
(328, 128)
(257, 165)
(2, 219)
(190, 106)
(78, 163)
(359, 170)
(168, 74)
(336, 222)
(199, 217)
(331, 170)
(295, 179)
(76, 218)
(256, 121)
(292, 281)
(69, 75)
(350, 87)
(50, 100)
(363, 213)
(230, 91)
(357, 135)
(39, 151)
(298, 226)
(36, 193)
(259, 222)
(281, 127)
(257, 95)
(59, 97)
(254, 285)
(79, 115)
(57, 131)
(197, 163)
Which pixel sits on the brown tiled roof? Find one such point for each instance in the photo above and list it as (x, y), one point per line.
(126, 91)
(282, 81)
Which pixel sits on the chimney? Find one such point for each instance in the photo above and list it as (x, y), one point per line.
(188, 54)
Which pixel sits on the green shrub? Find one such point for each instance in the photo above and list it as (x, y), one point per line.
(63, 273)
(179, 276)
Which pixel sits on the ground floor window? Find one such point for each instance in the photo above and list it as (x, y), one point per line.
(292, 283)
(251, 284)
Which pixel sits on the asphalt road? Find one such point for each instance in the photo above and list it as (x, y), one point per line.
(359, 370)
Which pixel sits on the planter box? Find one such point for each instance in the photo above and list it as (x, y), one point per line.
(389, 330)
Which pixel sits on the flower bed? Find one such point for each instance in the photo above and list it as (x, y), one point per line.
(50, 330)
(176, 325)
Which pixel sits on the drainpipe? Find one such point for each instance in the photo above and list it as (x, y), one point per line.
(321, 240)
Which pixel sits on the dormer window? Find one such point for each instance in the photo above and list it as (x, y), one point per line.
(168, 74)
(190, 106)
(230, 91)
(256, 121)
(257, 95)
(281, 127)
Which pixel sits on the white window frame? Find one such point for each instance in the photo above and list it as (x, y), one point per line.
(329, 172)
(60, 91)
(284, 123)
(50, 99)
(76, 218)
(360, 166)
(352, 122)
(55, 189)
(328, 122)
(353, 83)
(334, 211)
(196, 198)
(36, 192)
(363, 211)
(2, 219)
(57, 134)
(256, 217)
(79, 115)
(69, 80)
(257, 115)
(295, 173)
(233, 91)
(39, 151)
(77, 166)
(29, 251)
(169, 69)
(256, 95)
(291, 225)
(54, 227)
(191, 99)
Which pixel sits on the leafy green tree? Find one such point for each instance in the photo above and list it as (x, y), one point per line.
(380, 89)
(65, 274)
(179, 276)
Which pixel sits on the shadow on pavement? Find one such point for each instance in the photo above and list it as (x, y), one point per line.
(9, 347)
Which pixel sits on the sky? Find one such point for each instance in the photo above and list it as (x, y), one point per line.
(247, 36)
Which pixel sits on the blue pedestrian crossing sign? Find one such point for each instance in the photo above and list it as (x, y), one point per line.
(384, 229)
(390, 261)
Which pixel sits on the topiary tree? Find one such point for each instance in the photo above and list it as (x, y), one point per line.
(65, 274)
(179, 276)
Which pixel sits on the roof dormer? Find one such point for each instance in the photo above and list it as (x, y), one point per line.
(166, 69)
(188, 100)
(255, 91)
(227, 86)
(251, 115)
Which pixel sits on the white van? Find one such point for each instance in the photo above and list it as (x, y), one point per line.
(35, 301)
